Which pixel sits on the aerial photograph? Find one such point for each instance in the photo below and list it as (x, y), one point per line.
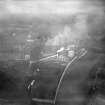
(52, 52)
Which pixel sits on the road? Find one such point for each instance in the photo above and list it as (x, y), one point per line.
(72, 90)
(75, 84)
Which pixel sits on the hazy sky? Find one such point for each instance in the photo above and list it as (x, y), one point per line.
(48, 7)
